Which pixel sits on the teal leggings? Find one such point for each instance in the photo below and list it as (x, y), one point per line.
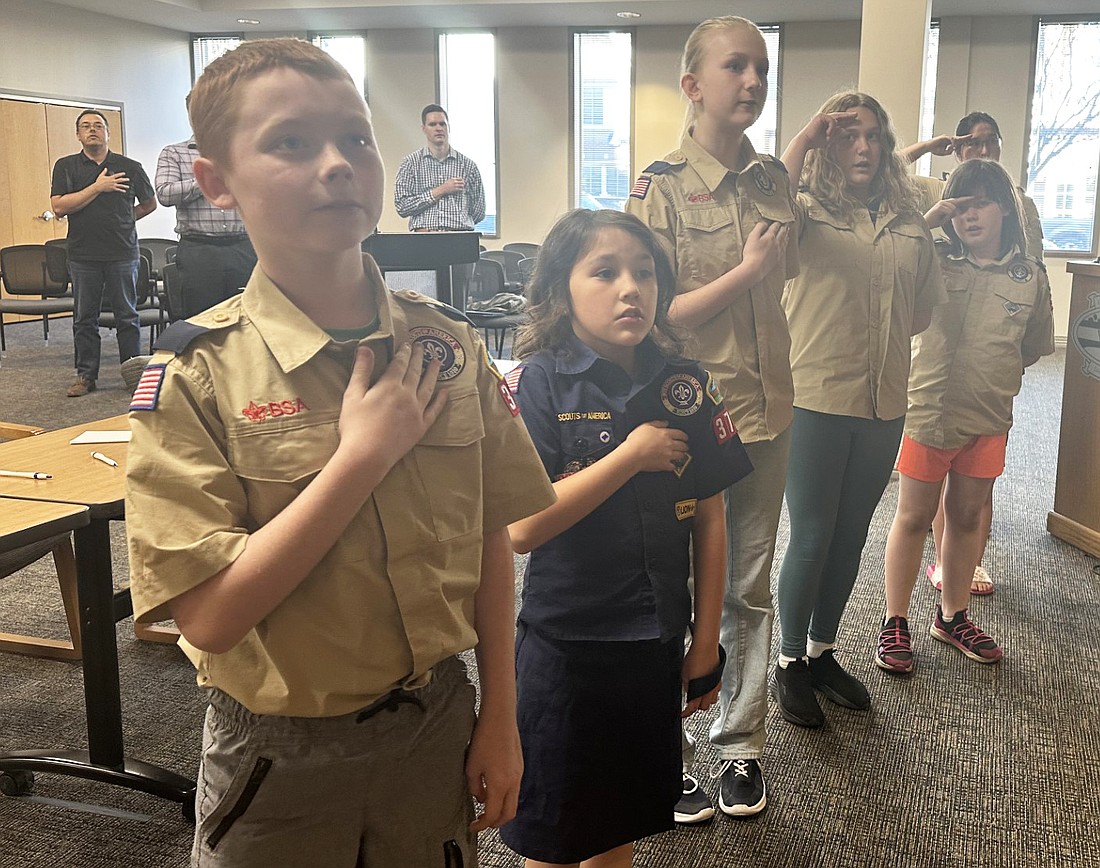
(837, 471)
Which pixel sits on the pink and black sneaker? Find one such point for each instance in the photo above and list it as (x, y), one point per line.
(965, 635)
(895, 647)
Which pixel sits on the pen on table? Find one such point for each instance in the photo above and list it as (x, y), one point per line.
(99, 456)
(26, 474)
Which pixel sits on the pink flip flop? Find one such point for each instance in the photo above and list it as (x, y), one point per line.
(934, 576)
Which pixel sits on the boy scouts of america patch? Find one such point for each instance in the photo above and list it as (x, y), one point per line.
(641, 187)
(1019, 272)
(682, 394)
(438, 344)
(764, 182)
(148, 388)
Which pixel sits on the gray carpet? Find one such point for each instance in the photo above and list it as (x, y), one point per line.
(958, 765)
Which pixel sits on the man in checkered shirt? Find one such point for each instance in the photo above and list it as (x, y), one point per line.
(214, 257)
(438, 188)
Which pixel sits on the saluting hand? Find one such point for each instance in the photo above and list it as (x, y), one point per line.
(946, 209)
(386, 420)
(657, 447)
(822, 127)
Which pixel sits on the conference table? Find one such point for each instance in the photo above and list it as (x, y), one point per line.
(79, 480)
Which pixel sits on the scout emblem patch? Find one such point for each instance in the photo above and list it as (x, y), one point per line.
(641, 187)
(438, 344)
(679, 469)
(1013, 308)
(148, 388)
(1019, 272)
(682, 394)
(764, 182)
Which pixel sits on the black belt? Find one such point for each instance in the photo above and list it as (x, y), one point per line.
(389, 702)
(222, 240)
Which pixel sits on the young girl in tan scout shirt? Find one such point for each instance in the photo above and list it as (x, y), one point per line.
(869, 280)
(723, 213)
(967, 368)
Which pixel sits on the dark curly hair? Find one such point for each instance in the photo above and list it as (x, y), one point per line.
(549, 310)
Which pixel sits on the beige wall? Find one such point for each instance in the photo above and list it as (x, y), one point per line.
(67, 53)
(985, 63)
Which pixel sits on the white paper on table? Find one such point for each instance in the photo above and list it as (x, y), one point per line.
(100, 437)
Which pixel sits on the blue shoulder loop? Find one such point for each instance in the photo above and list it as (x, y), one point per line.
(178, 336)
(657, 167)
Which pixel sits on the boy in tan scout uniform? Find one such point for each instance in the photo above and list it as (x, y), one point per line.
(320, 481)
(723, 213)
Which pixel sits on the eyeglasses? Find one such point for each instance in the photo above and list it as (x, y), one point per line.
(87, 127)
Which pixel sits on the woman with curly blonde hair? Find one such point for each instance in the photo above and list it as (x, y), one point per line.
(869, 280)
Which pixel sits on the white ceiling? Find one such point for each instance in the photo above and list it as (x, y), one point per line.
(214, 16)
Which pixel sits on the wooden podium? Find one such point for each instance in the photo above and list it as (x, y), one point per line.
(1076, 514)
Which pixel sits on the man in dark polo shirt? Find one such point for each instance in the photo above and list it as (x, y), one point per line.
(104, 195)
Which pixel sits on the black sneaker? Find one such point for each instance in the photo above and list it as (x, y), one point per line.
(694, 805)
(794, 693)
(742, 791)
(829, 677)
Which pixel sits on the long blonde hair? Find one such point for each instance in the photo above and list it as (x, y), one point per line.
(891, 188)
(695, 49)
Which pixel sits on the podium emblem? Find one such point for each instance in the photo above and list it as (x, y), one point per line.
(1085, 334)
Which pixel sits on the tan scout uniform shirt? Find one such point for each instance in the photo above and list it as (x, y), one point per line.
(246, 416)
(851, 308)
(931, 191)
(968, 365)
(702, 212)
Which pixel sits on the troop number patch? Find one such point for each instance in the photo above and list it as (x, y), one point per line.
(682, 394)
(442, 346)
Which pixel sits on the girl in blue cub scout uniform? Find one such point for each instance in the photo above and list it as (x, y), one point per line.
(868, 282)
(967, 368)
(640, 448)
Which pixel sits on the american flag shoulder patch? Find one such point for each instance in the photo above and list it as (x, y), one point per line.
(512, 378)
(641, 187)
(148, 388)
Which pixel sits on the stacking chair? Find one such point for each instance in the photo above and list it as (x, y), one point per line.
(488, 281)
(24, 273)
(172, 298)
(57, 261)
(61, 547)
(510, 260)
(158, 250)
(524, 248)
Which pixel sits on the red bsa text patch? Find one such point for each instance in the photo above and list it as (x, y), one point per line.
(273, 409)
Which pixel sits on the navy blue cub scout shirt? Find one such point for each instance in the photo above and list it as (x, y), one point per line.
(621, 572)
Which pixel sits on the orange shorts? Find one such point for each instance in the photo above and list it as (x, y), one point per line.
(982, 458)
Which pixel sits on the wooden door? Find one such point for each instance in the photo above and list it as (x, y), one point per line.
(27, 168)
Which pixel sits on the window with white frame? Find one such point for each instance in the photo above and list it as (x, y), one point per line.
(1064, 147)
(205, 49)
(468, 92)
(349, 50)
(602, 84)
(764, 132)
(928, 96)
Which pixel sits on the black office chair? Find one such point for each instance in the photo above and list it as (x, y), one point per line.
(486, 285)
(510, 260)
(526, 269)
(24, 274)
(523, 248)
(171, 296)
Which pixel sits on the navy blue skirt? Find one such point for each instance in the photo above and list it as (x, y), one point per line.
(600, 728)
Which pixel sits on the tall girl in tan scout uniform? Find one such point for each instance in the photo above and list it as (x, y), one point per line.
(977, 137)
(967, 368)
(724, 214)
(869, 280)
